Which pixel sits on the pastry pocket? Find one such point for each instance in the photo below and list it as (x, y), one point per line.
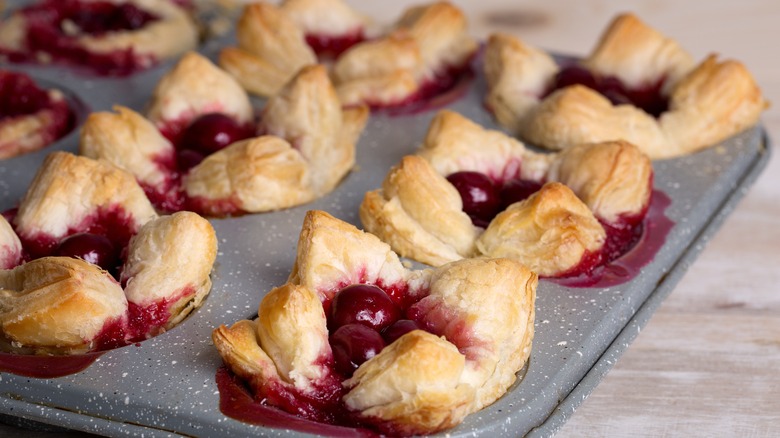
(259, 174)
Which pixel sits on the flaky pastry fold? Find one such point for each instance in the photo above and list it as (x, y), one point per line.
(707, 103)
(426, 380)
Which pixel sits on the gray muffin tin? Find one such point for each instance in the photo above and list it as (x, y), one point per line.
(166, 386)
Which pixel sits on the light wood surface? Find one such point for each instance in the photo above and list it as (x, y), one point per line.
(708, 362)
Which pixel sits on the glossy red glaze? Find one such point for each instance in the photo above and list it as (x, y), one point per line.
(331, 46)
(45, 34)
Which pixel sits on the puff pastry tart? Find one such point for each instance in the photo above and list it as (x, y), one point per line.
(636, 85)
(102, 268)
(111, 37)
(30, 117)
(202, 150)
(356, 339)
(472, 192)
(423, 54)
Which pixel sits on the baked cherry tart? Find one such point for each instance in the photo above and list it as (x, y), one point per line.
(356, 339)
(31, 117)
(425, 53)
(200, 147)
(471, 192)
(636, 85)
(88, 265)
(107, 37)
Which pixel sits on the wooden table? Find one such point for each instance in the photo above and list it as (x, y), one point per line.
(708, 363)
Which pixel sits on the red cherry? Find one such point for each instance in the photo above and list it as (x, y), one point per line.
(480, 197)
(187, 159)
(363, 304)
(573, 75)
(398, 329)
(517, 190)
(92, 248)
(211, 132)
(353, 344)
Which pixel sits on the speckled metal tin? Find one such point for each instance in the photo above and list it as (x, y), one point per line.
(166, 386)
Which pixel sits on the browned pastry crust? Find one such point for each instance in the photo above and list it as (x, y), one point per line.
(64, 195)
(425, 41)
(60, 304)
(171, 35)
(310, 149)
(127, 140)
(271, 49)
(188, 90)
(419, 384)
(419, 213)
(550, 232)
(307, 149)
(707, 103)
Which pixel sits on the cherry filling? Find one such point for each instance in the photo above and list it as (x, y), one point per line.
(446, 85)
(331, 46)
(649, 97)
(193, 142)
(362, 320)
(54, 26)
(483, 199)
(20, 96)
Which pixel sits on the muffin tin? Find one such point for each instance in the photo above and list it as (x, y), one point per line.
(166, 386)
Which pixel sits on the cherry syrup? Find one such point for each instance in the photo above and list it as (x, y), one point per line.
(483, 198)
(648, 97)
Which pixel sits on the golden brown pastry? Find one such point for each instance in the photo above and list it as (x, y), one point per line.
(307, 148)
(143, 32)
(310, 149)
(462, 353)
(189, 90)
(59, 304)
(421, 212)
(130, 141)
(552, 232)
(65, 195)
(426, 43)
(271, 49)
(656, 97)
(105, 269)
